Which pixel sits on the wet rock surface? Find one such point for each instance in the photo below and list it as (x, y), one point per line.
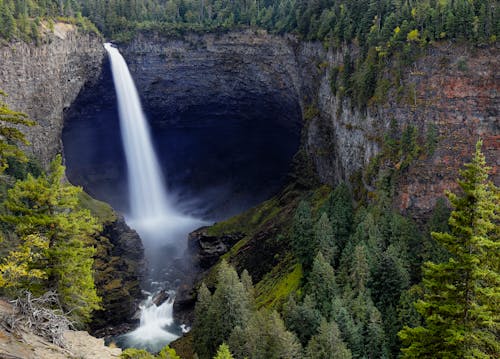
(119, 267)
(206, 249)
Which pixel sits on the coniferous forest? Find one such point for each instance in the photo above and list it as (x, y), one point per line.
(355, 276)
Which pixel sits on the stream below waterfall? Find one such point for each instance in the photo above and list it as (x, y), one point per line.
(154, 214)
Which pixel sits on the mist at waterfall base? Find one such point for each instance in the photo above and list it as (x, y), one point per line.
(153, 214)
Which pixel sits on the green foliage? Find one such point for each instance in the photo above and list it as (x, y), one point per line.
(460, 304)
(284, 280)
(223, 352)
(263, 337)
(325, 239)
(302, 236)
(46, 208)
(167, 353)
(10, 135)
(132, 353)
(321, 285)
(341, 214)
(432, 250)
(20, 19)
(303, 319)
(431, 138)
(21, 267)
(327, 343)
(218, 314)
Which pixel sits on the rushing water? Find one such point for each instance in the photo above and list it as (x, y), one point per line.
(153, 212)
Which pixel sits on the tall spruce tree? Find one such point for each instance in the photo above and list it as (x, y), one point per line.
(303, 240)
(460, 304)
(327, 343)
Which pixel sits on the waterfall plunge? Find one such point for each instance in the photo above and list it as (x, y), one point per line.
(153, 215)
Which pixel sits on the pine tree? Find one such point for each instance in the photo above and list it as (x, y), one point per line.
(219, 314)
(325, 239)
(327, 344)
(460, 304)
(47, 208)
(303, 242)
(321, 285)
(263, 337)
(302, 319)
(202, 323)
(223, 352)
(341, 214)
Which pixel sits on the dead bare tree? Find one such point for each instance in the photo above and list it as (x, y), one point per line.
(43, 315)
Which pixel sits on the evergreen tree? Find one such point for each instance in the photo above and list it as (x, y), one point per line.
(223, 352)
(302, 319)
(321, 285)
(325, 239)
(265, 337)
(303, 240)
(167, 353)
(217, 315)
(202, 330)
(341, 214)
(10, 135)
(47, 208)
(432, 250)
(327, 344)
(460, 304)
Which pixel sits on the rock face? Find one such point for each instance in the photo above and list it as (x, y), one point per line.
(224, 113)
(44, 80)
(206, 249)
(119, 266)
(454, 88)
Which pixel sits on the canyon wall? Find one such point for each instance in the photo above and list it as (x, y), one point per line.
(250, 75)
(44, 80)
(453, 87)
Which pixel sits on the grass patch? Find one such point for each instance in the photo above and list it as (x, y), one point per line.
(273, 290)
(99, 209)
(248, 221)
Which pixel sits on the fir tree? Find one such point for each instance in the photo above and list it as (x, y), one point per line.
(325, 239)
(263, 337)
(217, 315)
(460, 304)
(327, 344)
(341, 214)
(47, 208)
(202, 323)
(223, 352)
(303, 240)
(321, 285)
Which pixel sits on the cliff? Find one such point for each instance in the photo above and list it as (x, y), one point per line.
(452, 87)
(44, 80)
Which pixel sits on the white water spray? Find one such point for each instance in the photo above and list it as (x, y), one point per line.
(153, 215)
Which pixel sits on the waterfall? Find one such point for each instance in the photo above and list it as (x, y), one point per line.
(152, 213)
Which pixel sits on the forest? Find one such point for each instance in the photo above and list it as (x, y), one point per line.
(368, 281)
